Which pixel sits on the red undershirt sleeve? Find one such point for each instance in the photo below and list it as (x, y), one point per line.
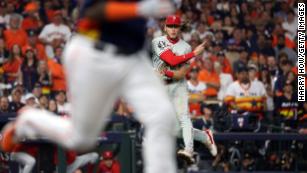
(168, 73)
(171, 59)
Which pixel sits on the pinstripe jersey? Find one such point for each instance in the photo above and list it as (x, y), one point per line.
(161, 44)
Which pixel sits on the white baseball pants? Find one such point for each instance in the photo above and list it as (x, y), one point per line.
(95, 80)
(26, 161)
(179, 96)
(82, 160)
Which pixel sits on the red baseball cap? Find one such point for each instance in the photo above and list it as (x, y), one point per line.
(107, 155)
(172, 20)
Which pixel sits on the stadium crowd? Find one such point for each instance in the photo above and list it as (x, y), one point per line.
(253, 42)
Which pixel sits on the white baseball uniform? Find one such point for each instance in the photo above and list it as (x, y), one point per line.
(177, 90)
(99, 71)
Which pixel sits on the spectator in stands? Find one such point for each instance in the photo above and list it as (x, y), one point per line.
(273, 69)
(210, 78)
(224, 62)
(228, 25)
(57, 72)
(55, 34)
(242, 61)
(196, 91)
(225, 80)
(264, 46)
(16, 103)
(2, 28)
(281, 48)
(253, 76)
(32, 20)
(285, 66)
(290, 25)
(9, 11)
(15, 34)
(4, 54)
(62, 105)
(44, 77)
(58, 54)
(4, 88)
(4, 105)
(205, 121)
(109, 163)
(30, 100)
(52, 106)
(248, 162)
(244, 95)
(261, 61)
(266, 79)
(219, 38)
(37, 92)
(237, 43)
(34, 43)
(29, 75)
(2, 13)
(286, 107)
(43, 102)
(12, 67)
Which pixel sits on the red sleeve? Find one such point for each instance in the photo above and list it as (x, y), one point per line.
(30, 149)
(171, 59)
(168, 73)
(116, 167)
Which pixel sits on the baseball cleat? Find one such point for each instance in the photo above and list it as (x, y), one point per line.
(8, 143)
(210, 144)
(187, 156)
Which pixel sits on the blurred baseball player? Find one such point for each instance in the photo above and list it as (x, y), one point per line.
(103, 61)
(171, 56)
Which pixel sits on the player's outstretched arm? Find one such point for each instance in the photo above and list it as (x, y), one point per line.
(115, 11)
(173, 60)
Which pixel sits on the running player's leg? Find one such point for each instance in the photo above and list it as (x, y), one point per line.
(145, 92)
(92, 93)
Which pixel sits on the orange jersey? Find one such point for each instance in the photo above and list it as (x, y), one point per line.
(19, 37)
(12, 67)
(211, 77)
(58, 76)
